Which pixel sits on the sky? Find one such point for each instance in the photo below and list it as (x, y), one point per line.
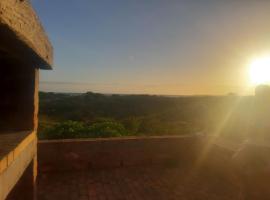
(169, 47)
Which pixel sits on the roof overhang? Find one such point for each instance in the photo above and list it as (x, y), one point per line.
(22, 35)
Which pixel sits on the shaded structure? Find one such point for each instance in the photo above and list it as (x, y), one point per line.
(24, 49)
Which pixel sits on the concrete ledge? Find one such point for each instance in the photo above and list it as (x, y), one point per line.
(11, 146)
(22, 33)
(15, 162)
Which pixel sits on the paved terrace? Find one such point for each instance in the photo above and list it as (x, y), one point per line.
(136, 168)
(138, 183)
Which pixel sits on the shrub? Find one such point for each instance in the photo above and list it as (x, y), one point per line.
(107, 129)
(74, 129)
(67, 129)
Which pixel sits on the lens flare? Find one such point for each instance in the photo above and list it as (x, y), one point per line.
(259, 70)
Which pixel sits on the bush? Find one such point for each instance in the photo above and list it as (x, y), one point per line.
(67, 129)
(74, 129)
(107, 129)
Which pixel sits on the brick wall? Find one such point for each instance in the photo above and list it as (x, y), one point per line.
(19, 16)
(123, 152)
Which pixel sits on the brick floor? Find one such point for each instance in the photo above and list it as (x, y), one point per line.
(137, 183)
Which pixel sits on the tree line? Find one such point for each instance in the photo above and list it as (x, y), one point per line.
(98, 115)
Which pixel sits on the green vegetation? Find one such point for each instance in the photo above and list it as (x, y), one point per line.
(74, 129)
(96, 115)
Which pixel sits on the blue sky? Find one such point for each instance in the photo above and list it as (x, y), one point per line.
(153, 46)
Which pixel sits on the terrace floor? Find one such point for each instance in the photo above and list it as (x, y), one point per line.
(147, 183)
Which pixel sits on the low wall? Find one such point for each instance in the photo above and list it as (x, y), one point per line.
(200, 154)
(122, 152)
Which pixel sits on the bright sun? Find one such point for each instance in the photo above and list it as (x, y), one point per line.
(259, 70)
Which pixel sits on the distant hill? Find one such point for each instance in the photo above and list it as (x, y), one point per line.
(150, 114)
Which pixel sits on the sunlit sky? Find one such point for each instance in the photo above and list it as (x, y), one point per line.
(170, 47)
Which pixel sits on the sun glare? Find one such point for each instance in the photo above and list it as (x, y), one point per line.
(259, 70)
